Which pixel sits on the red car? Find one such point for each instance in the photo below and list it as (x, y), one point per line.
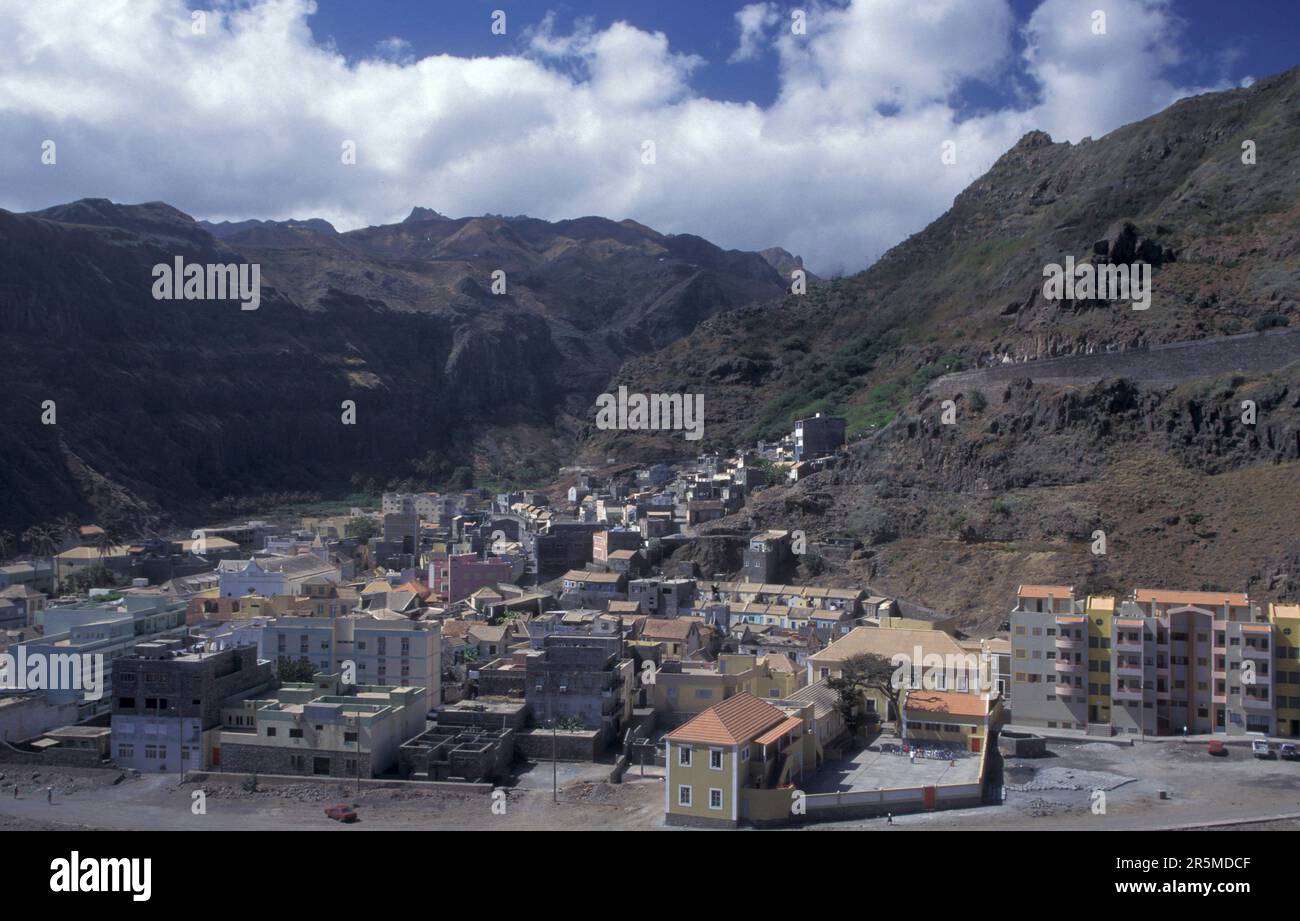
(341, 813)
(1217, 748)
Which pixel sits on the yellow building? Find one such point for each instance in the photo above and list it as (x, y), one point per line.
(740, 759)
(1285, 619)
(950, 719)
(696, 687)
(1100, 612)
(70, 562)
(928, 658)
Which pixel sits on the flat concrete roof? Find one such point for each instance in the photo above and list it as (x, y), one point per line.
(873, 770)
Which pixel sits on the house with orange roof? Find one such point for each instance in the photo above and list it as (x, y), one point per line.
(949, 719)
(738, 760)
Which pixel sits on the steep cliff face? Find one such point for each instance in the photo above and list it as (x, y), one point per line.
(162, 406)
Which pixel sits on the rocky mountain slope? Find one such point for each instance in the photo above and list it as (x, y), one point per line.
(1012, 491)
(1223, 239)
(163, 406)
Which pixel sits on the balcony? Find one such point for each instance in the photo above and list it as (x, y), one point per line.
(1127, 693)
(1129, 668)
(1257, 652)
(1066, 689)
(1129, 644)
(1256, 703)
(1070, 642)
(1067, 667)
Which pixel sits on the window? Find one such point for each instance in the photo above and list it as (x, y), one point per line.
(683, 795)
(684, 758)
(715, 798)
(295, 733)
(715, 759)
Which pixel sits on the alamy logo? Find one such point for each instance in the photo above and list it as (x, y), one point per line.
(1107, 282)
(211, 281)
(103, 874)
(60, 671)
(652, 412)
(942, 672)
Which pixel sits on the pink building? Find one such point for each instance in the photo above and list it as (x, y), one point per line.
(460, 575)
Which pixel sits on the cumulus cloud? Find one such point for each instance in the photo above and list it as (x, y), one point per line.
(248, 119)
(755, 22)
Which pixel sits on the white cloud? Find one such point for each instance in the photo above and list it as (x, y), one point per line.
(248, 120)
(755, 21)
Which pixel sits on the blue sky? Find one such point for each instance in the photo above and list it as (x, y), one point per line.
(1230, 39)
(712, 118)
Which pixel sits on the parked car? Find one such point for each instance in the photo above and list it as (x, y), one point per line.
(1289, 751)
(1261, 749)
(341, 813)
(1217, 749)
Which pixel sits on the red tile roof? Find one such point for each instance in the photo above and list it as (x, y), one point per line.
(736, 720)
(947, 703)
(1211, 599)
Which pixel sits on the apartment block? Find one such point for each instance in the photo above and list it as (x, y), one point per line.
(1285, 619)
(383, 650)
(1158, 662)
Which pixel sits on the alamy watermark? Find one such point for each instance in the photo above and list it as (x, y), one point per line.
(1108, 282)
(212, 281)
(59, 671)
(653, 412)
(942, 672)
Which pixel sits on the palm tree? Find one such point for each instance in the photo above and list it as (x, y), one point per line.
(68, 527)
(107, 539)
(42, 540)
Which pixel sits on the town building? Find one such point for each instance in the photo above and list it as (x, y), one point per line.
(818, 436)
(167, 702)
(768, 557)
(1158, 662)
(320, 728)
(739, 759)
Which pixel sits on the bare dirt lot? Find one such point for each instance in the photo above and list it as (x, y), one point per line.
(1056, 792)
(90, 799)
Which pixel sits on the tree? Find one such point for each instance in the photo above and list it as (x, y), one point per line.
(68, 527)
(42, 540)
(290, 670)
(864, 672)
(97, 576)
(107, 540)
(6, 543)
(364, 528)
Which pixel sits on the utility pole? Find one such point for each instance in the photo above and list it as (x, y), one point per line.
(358, 727)
(555, 769)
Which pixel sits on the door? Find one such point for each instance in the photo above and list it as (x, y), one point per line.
(975, 743)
